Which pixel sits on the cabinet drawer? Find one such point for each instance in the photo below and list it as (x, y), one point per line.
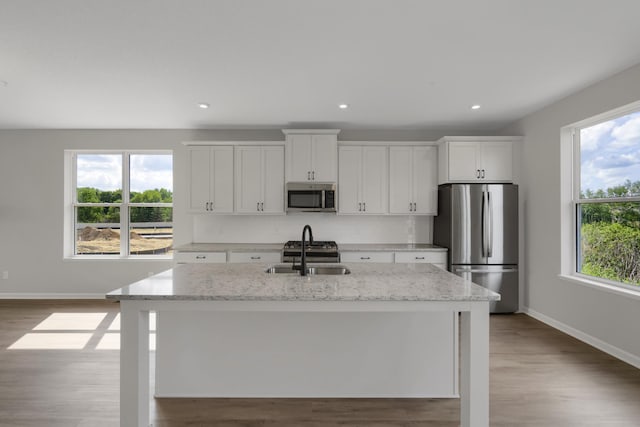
(366, 257)
(199, 257)
(255, 256)
(420, 257)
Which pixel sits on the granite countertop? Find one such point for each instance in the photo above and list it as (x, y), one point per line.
(396, 247)
(249, 282)
(232, 247)
(270, 247)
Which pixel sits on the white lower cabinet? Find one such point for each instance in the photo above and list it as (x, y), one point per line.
(358, 256)
(255, 256)
(439, 259)
(199, 257)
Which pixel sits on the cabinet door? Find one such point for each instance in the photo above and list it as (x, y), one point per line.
(199, 178)
(273, 171)
(463, 161)
(375, 180)
(497, 161)
(248, 173)
(221, 180)
(350, 175)
(400, 180)
(425, 180)
(324, 158)
(299, 157)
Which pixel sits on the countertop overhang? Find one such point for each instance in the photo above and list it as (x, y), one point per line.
(250, 282)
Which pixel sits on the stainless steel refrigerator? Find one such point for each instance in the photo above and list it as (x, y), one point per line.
(478, 223)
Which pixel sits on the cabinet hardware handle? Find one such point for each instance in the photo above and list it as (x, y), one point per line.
(201, 257)
(256, 257)
(482, 173)
(308, 176)
(359, 207)
(313, 175)
(364, 206)
(257, 206)
(419, 257)
(415, 206)
(206, 206)
(365, 257)
(478, 173)
(262, 206)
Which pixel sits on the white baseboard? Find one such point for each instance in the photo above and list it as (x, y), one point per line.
(4, 295)
(614, 351)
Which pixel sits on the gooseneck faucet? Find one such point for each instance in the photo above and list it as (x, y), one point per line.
(303, 255)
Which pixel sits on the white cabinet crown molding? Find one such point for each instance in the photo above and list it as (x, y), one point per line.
(196, 143)
(388, 143)
(311, 131)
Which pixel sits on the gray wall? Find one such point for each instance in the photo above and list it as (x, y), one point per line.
(605, 319)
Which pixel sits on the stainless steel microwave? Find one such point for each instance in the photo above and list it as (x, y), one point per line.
(311, 197)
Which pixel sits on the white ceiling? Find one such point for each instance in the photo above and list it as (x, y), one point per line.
(399, 64)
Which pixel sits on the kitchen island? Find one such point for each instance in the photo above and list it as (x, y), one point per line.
(246, 288)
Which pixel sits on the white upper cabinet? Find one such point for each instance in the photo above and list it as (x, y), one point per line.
(476, 159)
(413, 187)
(363, 180)
(259, 177)
(211, 179)
(312, 155)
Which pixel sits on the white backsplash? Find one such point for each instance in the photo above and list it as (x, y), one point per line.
(342, 229)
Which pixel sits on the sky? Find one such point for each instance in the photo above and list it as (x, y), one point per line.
(610, 153)
(104, 171)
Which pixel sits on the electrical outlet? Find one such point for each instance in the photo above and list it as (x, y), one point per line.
(5, 275)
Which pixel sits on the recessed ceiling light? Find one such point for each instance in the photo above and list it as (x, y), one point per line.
(343, 106)
(475, 107)
(203, 105)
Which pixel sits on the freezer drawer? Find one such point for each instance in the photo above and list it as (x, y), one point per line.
(502, 279)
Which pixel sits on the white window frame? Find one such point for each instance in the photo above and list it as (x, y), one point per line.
(570, 200)
(71, 203)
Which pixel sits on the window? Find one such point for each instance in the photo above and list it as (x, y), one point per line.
(116, 194)
(607, 200)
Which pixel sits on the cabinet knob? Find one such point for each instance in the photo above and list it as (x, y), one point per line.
(308, 175)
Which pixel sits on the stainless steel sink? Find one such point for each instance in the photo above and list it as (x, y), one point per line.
(311, 270)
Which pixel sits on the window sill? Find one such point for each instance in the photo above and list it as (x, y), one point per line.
(612, 289)
(164, 258)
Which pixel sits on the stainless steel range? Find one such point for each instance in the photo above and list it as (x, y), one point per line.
(318, 251)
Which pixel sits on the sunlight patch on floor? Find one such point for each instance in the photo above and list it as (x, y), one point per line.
(52, 341)
(71, 322)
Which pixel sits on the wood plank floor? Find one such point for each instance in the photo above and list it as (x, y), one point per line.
(539, 377)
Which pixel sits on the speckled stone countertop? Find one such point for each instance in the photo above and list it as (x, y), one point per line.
(230, 247)
(249, 282)
(382, 247)
(270, 247)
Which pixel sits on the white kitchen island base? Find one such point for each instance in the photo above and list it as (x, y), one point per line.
(241, 289)
(337, 354)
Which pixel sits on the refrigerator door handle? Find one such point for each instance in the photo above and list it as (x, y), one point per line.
(484, 224)
(490, 226)
(475, 270)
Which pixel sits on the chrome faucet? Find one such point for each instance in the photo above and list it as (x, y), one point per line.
(303, 255)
